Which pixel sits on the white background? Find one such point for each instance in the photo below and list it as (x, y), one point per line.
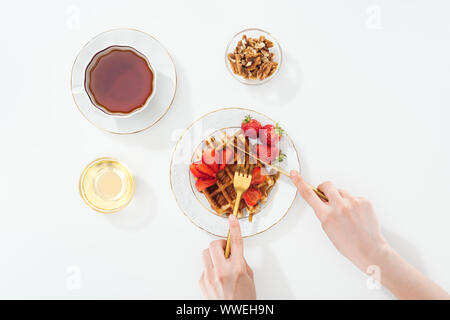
(363, 91)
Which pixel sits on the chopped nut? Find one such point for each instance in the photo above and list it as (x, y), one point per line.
(252, 59)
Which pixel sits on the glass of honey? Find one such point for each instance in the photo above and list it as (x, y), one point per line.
(106, 185)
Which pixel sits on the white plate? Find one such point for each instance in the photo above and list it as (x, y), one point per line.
(194, 205)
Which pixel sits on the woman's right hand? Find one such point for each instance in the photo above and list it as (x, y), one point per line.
(351, 224)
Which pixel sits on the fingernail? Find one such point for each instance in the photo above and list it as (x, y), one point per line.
(294, 173)
(232, 217)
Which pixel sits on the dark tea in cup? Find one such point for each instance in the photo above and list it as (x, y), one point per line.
(119, 80)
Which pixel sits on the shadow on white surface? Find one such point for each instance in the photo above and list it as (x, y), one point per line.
(405, 249)
(140, 212)
(283, 88)
(271, 281)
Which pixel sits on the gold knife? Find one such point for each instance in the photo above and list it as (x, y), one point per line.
(319, 193)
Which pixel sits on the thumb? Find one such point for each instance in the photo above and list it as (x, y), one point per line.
(236, 243)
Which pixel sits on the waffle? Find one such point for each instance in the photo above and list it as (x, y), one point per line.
(222, 195)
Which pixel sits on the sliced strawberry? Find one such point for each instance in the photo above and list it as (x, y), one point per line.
(202, 184)
(209, 158)
(257, 177)
(205, 169)
(267, 153)
(270, 134)
(252, 196)
(251, 127)
(197, 173)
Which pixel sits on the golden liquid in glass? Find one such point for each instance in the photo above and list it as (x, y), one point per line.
(106, 185)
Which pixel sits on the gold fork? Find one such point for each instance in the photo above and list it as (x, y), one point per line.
(241, 182)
